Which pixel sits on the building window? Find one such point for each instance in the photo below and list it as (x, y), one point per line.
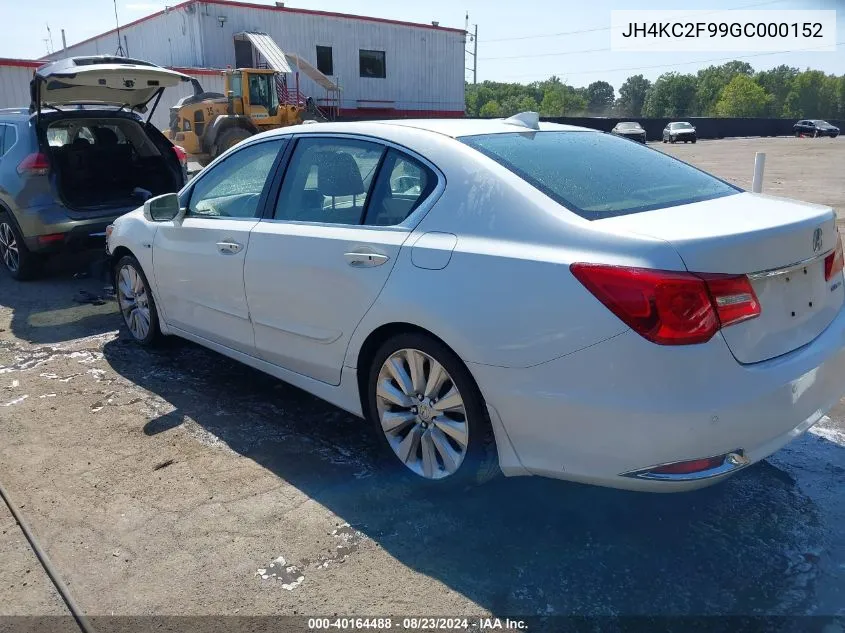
(324, 60)
(372, 64)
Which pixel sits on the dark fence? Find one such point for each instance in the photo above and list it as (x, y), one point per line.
(705, 127)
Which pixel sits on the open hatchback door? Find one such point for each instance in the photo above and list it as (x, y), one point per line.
(101, 80)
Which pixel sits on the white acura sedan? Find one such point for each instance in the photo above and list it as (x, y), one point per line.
(546, 299)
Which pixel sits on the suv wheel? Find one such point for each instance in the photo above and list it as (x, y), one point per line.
(16, 257)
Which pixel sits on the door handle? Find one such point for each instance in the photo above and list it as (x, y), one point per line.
(229, 248)
(358, 259)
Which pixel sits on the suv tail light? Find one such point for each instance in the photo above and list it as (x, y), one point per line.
(834, 262)
(34, 165)
(668, 307)
(181, 154)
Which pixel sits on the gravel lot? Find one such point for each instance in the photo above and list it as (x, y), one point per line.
(174, 481)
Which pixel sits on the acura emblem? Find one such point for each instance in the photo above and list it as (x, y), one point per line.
(817, 240)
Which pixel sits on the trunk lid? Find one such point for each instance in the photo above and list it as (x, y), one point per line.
(780, 244)
(115, 81)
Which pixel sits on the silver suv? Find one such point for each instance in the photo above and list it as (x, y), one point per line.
(80, 156)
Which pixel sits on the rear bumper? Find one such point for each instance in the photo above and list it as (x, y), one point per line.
(626, 404)
(78, 233)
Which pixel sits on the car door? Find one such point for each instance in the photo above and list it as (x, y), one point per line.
(198, 260)
(318, 261)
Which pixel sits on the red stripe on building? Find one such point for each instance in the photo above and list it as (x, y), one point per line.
(20, 63)
(395, 113)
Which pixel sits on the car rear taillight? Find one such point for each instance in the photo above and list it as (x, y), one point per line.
(834, 262)
(181, 154)
(733, 296)
(669, 307)
(35, 164)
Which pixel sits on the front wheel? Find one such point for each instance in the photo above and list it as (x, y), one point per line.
(135, 300)
(694, 140)
(428, 413)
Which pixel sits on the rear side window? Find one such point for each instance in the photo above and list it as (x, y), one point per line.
(8, 136)
(599, 175)
(328, 181)
(402, 185)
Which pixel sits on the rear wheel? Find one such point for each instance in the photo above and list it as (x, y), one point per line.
(135, 300)
(229, 139)
(428, 413)
(18, 260)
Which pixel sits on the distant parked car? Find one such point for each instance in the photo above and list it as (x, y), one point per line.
(815, 127)
(679, 131)
(631, 130)
(585, 308)
(80, 156)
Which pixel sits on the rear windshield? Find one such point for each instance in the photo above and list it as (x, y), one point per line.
(599, 175)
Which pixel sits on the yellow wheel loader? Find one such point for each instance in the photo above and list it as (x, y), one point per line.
(206, 124)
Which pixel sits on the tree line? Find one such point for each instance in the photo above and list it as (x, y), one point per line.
(733, 89)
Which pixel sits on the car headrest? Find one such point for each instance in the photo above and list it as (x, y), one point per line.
(105, 136)
(338, 174)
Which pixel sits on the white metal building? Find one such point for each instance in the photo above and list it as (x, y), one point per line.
(383, 67)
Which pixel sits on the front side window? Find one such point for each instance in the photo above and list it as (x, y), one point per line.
(372, 64)
(231, 189)
(403, 184)
(328, 180)
(599, 175)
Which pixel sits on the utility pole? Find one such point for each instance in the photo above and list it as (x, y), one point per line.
(474, 39)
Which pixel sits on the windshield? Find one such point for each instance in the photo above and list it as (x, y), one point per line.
(820, 122)
(684, 126)
(599, 175)
(628, 126)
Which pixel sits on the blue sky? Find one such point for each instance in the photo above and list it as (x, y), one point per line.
(518, 41)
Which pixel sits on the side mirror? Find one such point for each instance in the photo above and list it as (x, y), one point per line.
(162, 208)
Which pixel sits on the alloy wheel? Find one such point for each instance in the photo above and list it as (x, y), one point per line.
(133, 299)
(9, 247)
(422, 414)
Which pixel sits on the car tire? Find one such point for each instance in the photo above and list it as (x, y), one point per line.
(135, 301)
(797, 134)
(694, 140)
(664, 139)
(673, 140)
(465, 453)
(21, 263)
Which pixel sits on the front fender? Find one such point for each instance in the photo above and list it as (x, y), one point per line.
(134, 233)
